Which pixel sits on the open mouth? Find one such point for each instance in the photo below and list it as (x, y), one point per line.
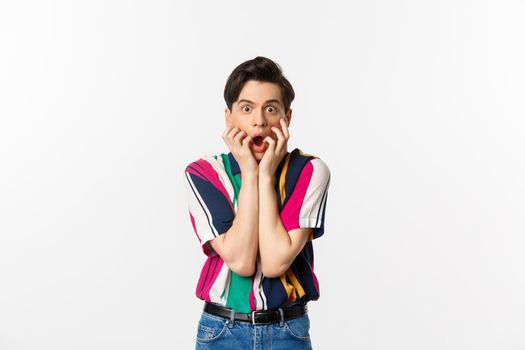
(258, 140)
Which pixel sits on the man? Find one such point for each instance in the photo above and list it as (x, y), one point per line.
(255, 211)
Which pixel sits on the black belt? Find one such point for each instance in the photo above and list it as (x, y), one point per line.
(260, 316)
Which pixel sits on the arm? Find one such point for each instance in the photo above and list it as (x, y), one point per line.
(238, 246)
(278, 247)
(303, 216)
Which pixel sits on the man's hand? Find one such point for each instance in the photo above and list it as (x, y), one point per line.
(275, 151)
(239, 144)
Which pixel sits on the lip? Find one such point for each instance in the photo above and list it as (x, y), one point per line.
(262, 135)
(259, 134)
(263, 146)
(259, 149)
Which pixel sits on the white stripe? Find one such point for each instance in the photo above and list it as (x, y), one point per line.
(260, 297)
(313, 203)
(222, 281)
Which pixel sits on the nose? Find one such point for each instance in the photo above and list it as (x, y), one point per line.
(259, 118)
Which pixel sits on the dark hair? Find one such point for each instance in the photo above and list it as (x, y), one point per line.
(260, 69)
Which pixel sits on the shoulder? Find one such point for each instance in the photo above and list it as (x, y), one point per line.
(309, 163)
(210, 174)
(204, 160)
(206, 167)
(300, 173)
(320, 167)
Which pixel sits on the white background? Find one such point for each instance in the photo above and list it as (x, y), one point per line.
(417, 107)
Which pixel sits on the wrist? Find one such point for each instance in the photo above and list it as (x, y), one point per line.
(266, 179)
(250, 175)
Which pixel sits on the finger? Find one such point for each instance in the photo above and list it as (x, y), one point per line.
(239, 135)
(246, 141)
(271, 143)
(277, 132)
(280, 138)
(233, 132)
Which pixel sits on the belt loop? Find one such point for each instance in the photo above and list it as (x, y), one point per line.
(231, 321)
(281, 316)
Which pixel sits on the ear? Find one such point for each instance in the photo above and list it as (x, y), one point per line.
(227, 116)
(288, 117)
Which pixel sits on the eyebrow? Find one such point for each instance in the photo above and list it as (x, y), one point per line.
(251, 102)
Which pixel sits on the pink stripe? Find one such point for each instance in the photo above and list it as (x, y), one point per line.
(192, 171)
(212, 276)
(202, 276)
(205, 168)
(252, 295)
(292, 210)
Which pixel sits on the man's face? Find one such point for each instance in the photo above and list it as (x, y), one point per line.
(258, 108)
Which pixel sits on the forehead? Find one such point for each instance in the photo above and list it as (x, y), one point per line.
(260, 91)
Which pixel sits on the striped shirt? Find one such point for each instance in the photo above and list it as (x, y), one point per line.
(212, 186)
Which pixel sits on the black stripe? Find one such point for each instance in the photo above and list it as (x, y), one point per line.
(260, 294)
(318, 218)
(321, 204)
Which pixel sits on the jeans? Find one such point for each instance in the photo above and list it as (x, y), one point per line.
(214, 332)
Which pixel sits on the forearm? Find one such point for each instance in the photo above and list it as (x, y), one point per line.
(274, 240)
(240, 243)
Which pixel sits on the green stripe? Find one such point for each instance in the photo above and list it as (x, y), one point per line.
(239, 294)
(234, 179)
(240, 287)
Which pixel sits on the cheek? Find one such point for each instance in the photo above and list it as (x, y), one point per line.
(241, 125)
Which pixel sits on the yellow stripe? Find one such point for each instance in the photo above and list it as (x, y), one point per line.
(287, 287)
(282, 188)
(296, 283)
(292, 289)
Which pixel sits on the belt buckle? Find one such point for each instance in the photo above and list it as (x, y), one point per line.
(253, 319)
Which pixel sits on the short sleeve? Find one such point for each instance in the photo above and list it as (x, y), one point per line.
(306, 205)
(210, 209)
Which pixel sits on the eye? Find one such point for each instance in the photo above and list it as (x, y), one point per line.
(244, 108)
(272, 109)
